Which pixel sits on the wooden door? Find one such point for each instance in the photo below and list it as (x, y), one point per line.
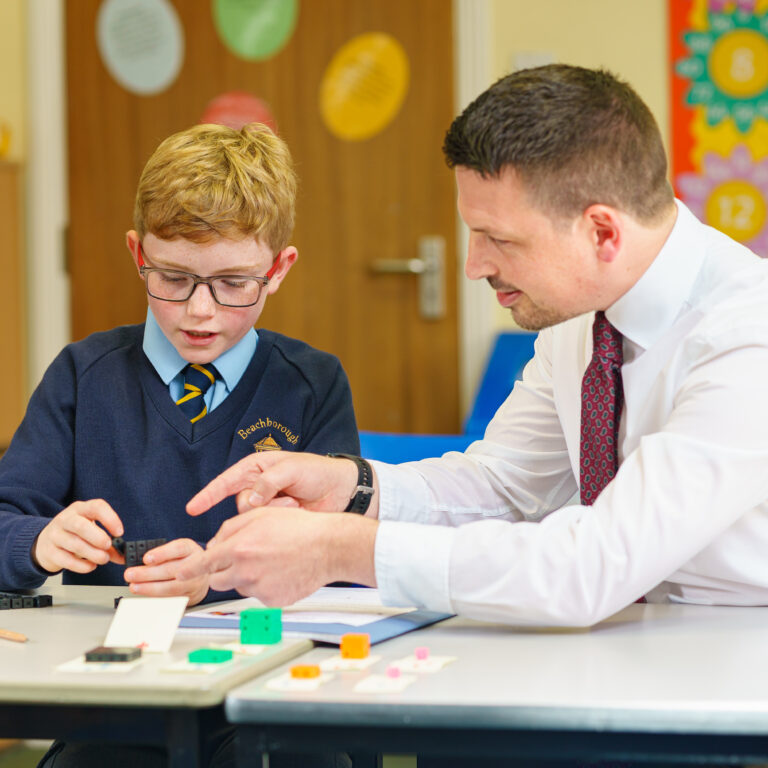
(359, 201)
(13, 306)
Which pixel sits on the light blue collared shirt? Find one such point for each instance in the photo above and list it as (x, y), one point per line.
(169, 364)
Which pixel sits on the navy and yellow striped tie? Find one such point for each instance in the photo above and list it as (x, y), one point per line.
(197, 380)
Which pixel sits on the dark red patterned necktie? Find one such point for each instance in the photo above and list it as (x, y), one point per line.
(602, 397)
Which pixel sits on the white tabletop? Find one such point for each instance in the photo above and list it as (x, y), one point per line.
(650, 668)
(78, 621)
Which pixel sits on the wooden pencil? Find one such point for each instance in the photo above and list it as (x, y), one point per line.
(17, 637)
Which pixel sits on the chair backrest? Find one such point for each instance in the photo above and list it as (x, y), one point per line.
(511, 351)
(395, 448)
(509, 355)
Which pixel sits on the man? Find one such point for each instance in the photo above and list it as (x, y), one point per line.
(561, 178)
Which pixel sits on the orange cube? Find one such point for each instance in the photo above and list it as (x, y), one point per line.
(305, 671)
(355, 646)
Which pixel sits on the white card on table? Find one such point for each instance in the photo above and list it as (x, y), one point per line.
(147, 622)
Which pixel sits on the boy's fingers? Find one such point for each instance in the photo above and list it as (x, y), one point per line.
(86, 529)
(172, 550)
(115, 556)
(73, 563)
(99, 510)
(147, 573)
(73, 544)
(169, 588)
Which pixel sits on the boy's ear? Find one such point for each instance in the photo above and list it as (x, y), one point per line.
(287, 257)
(132, 242)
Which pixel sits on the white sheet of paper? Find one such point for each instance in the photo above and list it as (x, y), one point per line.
(353, 606)
(147, 622)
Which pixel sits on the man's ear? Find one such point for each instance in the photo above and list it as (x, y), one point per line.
(285, 260)
(606, 231)
(132, 242)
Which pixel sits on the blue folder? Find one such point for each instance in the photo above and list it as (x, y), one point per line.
(378, 630)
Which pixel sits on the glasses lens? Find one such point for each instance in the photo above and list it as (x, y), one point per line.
(173, 286)
(236, 291)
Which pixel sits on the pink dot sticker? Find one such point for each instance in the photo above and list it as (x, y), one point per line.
(393, 671)
(421, 653)
(236, 109)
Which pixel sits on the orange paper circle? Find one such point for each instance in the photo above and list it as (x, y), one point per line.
(364, 86)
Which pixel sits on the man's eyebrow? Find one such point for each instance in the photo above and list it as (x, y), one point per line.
(496, 234)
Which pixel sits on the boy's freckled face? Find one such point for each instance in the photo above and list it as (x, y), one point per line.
(200, 329)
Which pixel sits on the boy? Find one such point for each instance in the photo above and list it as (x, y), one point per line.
(128, 424)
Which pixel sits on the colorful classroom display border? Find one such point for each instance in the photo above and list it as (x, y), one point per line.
(718, 53)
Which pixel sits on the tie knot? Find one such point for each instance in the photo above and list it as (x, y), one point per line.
(197, 381)
(200, 376)
(606, 340)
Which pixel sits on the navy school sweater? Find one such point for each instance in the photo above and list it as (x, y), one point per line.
(102, 424)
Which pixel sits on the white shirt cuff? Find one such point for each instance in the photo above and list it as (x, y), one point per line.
(413, 563)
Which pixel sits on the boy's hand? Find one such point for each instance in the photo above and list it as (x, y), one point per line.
(158, 576)
(74, 541)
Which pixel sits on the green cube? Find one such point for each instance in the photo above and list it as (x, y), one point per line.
(261, 626)
(209, 656)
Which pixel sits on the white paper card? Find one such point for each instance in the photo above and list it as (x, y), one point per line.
(190, 667)
(430, 664)
(147, 622)
(384, 684)
(339, 663)
(287, 683)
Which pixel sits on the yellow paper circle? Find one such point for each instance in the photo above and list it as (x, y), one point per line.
(364, 86)
(738, 63)
(737, 208)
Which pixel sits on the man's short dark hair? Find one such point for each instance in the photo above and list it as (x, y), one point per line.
(574, 137)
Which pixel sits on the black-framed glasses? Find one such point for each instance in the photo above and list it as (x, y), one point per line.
(227, 290)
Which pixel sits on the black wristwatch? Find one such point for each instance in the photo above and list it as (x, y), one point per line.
(361, 499)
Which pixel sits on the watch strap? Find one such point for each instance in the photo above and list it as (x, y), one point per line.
(361, 499)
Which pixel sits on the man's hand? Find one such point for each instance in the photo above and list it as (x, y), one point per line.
(158, 577)
(74, 541)
(314, 482)
(282, 554)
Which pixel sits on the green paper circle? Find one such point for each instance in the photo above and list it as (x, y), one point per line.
(255, 29)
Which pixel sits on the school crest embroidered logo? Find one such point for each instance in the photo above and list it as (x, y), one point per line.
(267, 443)
(262, 430)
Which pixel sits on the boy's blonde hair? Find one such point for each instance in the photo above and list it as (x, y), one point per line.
(210, 181)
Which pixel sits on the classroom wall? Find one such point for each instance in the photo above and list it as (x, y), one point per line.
(625, 36)
(12, 79)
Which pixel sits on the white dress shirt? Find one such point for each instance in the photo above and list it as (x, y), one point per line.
(686, 517)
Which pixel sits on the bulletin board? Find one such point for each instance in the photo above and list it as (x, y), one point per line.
(718, 52)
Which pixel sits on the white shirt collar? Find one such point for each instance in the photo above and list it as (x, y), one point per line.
(169, 363)
(654, 302)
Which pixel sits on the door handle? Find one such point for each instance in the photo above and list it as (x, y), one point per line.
(430, 268)
(399, 266)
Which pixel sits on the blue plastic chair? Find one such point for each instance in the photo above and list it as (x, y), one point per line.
(511, 351)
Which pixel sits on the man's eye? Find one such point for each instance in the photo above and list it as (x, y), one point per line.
(230, 283)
